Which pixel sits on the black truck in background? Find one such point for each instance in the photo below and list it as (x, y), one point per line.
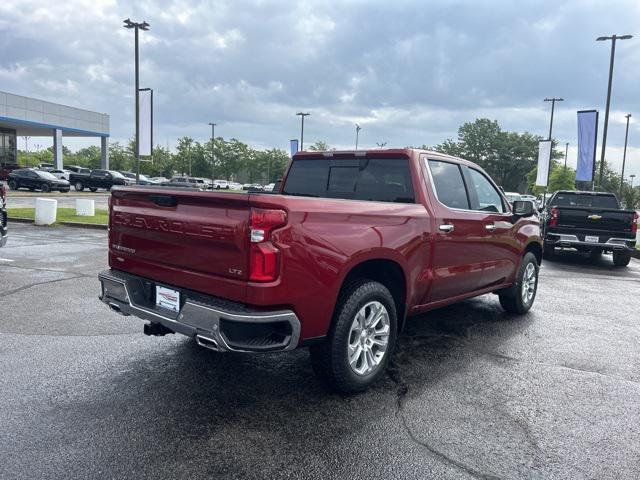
(96, 179)
(590, 222)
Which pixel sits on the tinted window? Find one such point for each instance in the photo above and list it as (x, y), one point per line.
(450, 188)
(486, 196)
(376, 179)
(584, 200)
(46, 176)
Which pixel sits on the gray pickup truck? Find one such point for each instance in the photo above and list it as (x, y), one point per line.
(590, 222)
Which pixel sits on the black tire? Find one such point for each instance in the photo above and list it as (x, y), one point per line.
(45, 188)
(13, 185)
(78, 186)
(548, 252)
(621, 259)
(93, 189)
(330, 360)
(65, 190)
(513, 299)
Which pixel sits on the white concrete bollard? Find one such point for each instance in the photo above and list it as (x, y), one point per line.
(46, 209)
(85, 207)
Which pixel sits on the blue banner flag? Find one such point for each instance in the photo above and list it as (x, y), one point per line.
(293, 144)
(587, 139)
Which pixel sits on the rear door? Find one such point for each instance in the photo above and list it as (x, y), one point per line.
(458, 254)
(190, 239)
(501, 250)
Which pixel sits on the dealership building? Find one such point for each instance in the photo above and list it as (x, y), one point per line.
(29, 117)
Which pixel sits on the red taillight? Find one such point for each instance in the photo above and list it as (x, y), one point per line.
(264, 256)
(553, 221)
(634, 224)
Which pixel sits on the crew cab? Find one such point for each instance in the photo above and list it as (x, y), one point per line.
(3, 215)
(590, 222)
(349, 245)
(96, 179)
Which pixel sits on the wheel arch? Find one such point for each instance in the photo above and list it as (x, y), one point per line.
(536, 249)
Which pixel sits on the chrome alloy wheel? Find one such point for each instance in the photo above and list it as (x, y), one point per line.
(529, 280)
(368, 338)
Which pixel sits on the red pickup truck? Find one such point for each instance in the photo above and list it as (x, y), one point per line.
(351, 244)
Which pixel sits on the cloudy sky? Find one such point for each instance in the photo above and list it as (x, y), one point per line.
(409, 72)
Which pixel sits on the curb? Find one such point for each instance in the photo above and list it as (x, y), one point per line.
(91, 226)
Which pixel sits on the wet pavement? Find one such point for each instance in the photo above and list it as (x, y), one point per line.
(472, 392)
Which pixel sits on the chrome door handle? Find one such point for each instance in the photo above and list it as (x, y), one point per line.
(490, 227)
(446, 227)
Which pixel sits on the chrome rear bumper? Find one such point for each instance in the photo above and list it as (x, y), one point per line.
(572, 241)
(217, 324)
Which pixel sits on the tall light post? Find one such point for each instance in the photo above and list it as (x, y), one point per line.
(302, 115)
(381, 144)
(137, 26)
(213, 151)
(553, 101)
(26, 148)
(566, 151)
(624, 154)
(632, 176)
(358, 128)
(613, 39)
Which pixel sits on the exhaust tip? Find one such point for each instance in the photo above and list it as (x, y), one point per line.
(206, 342)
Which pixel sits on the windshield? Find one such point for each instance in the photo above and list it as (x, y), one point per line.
(116, 174)
(46, 175)
(584, 200)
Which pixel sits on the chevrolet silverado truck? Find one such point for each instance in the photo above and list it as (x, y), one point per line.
(590, 222)
(96, 179)
(350, 245)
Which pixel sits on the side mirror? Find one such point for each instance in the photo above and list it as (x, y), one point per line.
(522, 208)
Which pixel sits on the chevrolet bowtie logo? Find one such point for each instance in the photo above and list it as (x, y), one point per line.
(594, 217)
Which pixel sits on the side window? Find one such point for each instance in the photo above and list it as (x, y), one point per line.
(307, 178)
(449, 184)
(486, 197)
(31, 174)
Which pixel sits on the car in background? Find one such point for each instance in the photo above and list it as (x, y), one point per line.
(159, 179)
(77, 169)
(96, 179)
(512, 196)
(46, 166)
(185, 182)
(542, 200)
(3, 215)
(36, 180)
(252, 187)
(60, 174)
(529, 198)
(235, 186)
(221, 184)
(269, 187)
(142, 179)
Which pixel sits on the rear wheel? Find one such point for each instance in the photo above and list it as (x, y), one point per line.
(362, 338)
(78, 186)
(13, 185)
(621, 259)
(519, 298)
(46, 188)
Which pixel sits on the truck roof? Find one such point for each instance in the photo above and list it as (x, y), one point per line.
(386, 152)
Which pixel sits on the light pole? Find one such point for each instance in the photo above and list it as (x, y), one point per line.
(137, 26)
(358, 128)
(553, 106)
(624, 154)
(302, 115)
(213, 151)
(26, 148)
(613, 39)
(566, 151)
(381, 144)
(632, 176)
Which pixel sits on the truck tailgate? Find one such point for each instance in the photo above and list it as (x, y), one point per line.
(595, 219)
(190, 239)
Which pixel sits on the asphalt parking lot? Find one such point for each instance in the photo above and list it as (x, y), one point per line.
(472, 392)
(24, 199)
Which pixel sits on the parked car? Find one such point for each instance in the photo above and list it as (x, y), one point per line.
(159, 179)
(512, 196)
(4, 233)
(530, 198)
(46, 166)
(185, 182)
(221, 184)
(590, 222)
(60, 174)
(543, 200)
(269, 187)
(356, 243)
(235, 186)
(142, 179)
(252, 187)
(36, 180)
(77, 169)
(97, 179)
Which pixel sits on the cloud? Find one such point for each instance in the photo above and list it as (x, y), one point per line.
(409, 72)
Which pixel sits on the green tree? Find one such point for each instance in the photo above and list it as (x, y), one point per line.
(320, 146)
(119, 157)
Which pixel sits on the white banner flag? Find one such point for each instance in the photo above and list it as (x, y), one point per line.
(544, 157)
(146, 122)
